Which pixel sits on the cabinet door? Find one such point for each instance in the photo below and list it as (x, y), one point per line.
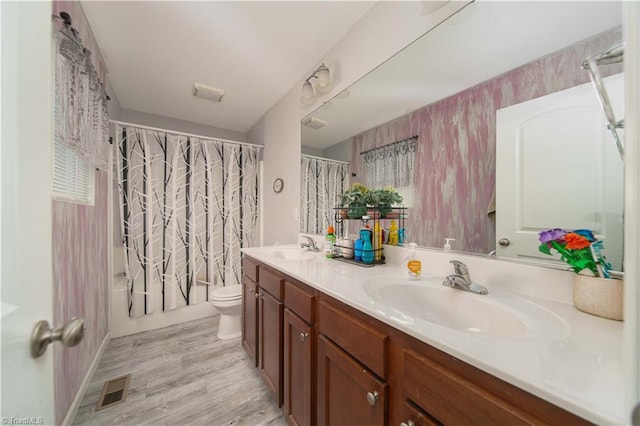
(348, 394)
(299, 348)
(270, 350)
(413, 416)
(249, 319)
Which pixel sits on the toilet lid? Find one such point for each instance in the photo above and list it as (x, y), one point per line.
(228, 292)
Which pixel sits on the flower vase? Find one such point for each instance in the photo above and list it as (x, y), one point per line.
(599, 296)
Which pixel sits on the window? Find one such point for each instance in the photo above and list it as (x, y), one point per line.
(392, 165)
(73, 176)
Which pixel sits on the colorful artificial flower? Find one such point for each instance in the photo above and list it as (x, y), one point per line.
(579, 249)
(575, 241)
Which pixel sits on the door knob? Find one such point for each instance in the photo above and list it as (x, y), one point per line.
(303, 336)
(70, 334)
(373, 397)
(504, 242)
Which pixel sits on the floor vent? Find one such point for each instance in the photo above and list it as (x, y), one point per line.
(114, 392)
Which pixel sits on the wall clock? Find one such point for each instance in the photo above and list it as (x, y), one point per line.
(278, 185)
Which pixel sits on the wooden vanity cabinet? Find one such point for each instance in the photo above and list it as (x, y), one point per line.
(299, 354)
(328, 363)
(250, 292)
(270, 327)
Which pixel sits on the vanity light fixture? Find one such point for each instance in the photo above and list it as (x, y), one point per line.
(317, 84)
(207, 92)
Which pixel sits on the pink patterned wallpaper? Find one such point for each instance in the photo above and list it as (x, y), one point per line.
(81, 287)
(80, 262)
(455, 159)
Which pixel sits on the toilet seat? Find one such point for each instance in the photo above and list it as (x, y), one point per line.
(231, 292)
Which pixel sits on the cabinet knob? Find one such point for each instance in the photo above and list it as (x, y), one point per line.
(408, 423)
(257, 294)
(252, 290)
(303, 336)
(373, 397)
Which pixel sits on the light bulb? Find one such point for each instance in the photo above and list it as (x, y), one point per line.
(323, 76)
(307, 93)
(324, 89)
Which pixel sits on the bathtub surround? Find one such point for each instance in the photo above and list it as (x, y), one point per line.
(321, 183)
(455, 179)
(188, 205)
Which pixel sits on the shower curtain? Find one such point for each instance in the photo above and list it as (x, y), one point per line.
(188, 205)
(322, 182)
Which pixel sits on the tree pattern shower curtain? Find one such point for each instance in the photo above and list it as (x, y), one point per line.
(322, 182)
(188, 205)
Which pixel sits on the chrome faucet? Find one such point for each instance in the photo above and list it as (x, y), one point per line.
(461, 280)
(310, 244)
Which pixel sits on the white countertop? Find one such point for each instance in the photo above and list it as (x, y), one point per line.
(578, 368)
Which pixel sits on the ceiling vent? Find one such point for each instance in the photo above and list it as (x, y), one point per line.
(206, 92)
(314, 123)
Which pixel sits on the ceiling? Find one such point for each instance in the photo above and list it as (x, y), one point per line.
(483, 40)
(254, 51)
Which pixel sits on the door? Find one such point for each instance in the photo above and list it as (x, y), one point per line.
(26, 152)
(557, 167)
(299, 351)
(270, 350)
(348, 394)
(249, 319)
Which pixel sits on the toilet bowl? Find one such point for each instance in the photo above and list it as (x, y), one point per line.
(228, 301)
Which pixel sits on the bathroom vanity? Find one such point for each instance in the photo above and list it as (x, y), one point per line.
(332, 351)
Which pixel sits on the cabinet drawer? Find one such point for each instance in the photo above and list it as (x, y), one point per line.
(300, 301)
(250, 268)
(440, 392)
(363, 342)
(411, 415)
(272, 283)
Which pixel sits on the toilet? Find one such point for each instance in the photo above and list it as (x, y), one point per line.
(228, 301)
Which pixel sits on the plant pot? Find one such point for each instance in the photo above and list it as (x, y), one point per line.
(392, 215)
(356, 211)
(599, 296)
(384, 210)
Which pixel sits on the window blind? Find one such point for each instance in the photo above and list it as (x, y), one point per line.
(72, 176)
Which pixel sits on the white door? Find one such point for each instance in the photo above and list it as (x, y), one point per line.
(25, 165)
(557, 167)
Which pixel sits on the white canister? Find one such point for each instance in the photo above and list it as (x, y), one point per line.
(347, 247)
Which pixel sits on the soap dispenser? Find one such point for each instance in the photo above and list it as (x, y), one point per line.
(413, 264)
(447, 244)
(393, 233)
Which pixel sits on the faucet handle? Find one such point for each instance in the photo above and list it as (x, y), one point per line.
(461, 269)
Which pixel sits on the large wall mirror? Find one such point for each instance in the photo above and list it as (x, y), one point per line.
(476, 80)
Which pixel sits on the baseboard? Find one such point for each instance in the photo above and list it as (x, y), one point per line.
(75, 405)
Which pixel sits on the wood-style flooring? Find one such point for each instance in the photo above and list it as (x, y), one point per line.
(181, 375)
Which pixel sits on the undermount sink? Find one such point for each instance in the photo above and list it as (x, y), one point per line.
(292, 253)
(497, 314)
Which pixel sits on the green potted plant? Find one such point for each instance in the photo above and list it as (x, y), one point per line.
(355, 198)
(383, 199)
